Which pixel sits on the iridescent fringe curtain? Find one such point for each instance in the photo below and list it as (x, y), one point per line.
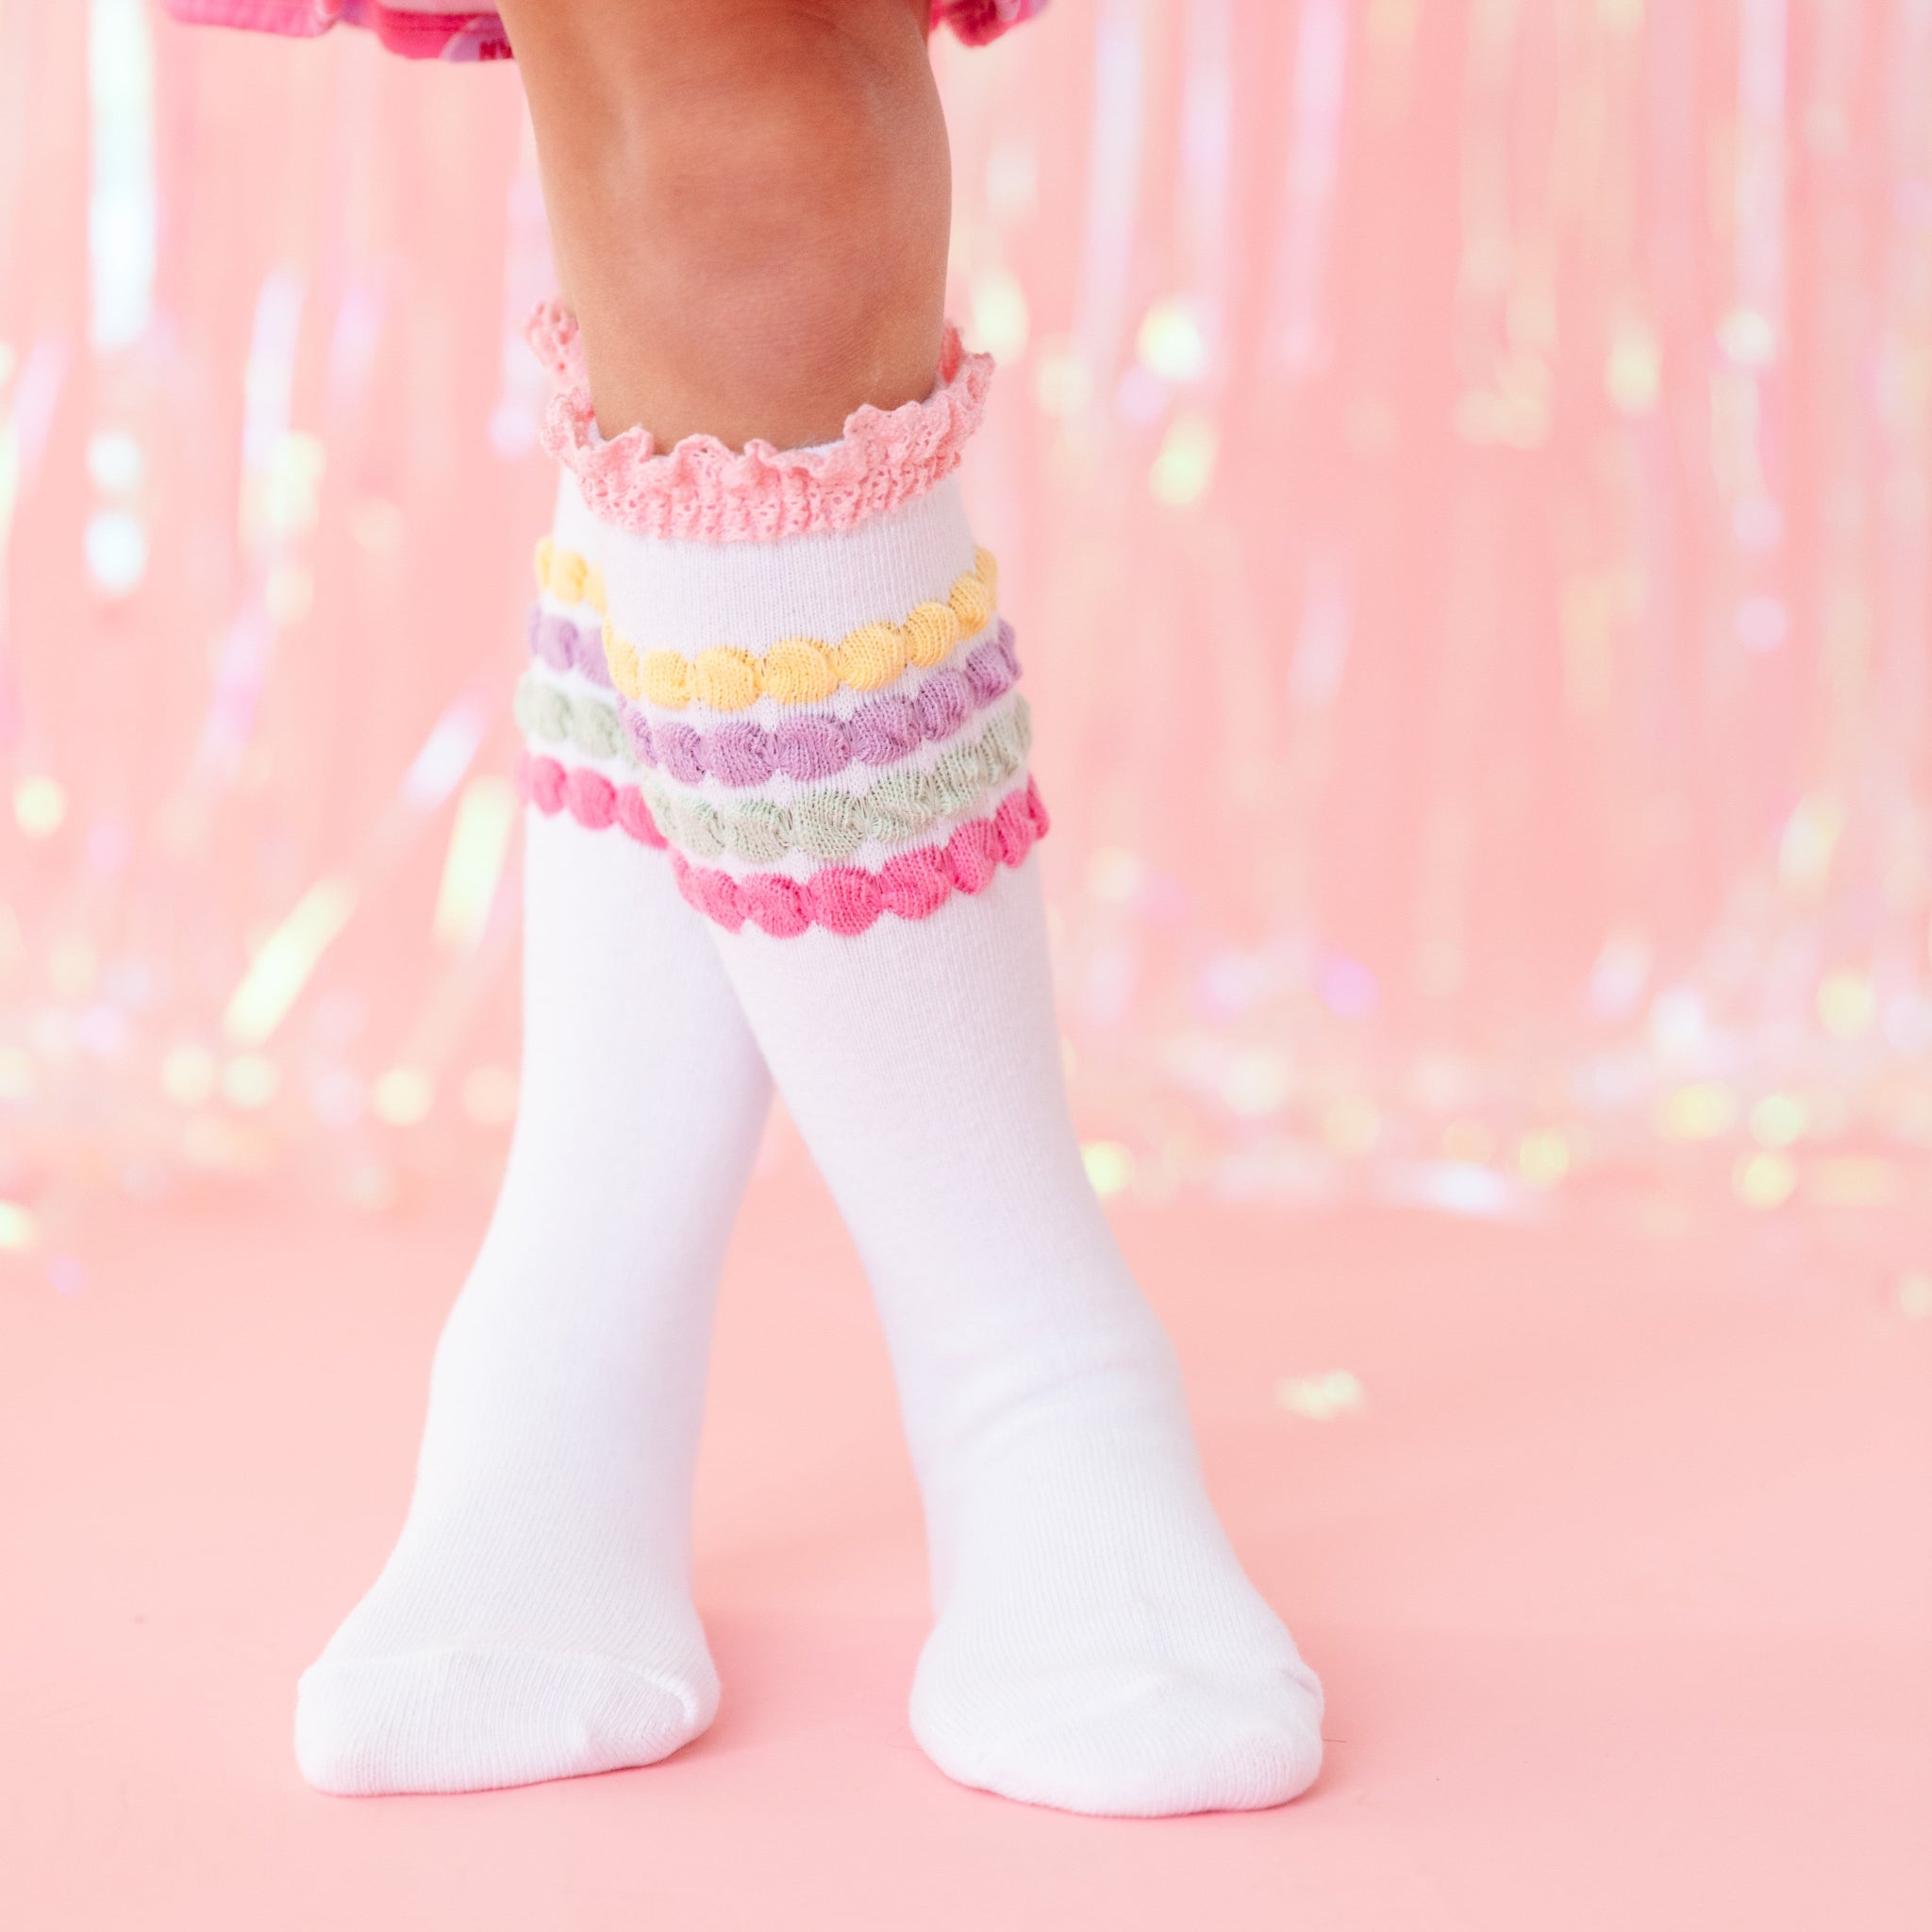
(1462, 475)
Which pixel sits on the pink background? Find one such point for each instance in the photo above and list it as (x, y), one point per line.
(1463, 479)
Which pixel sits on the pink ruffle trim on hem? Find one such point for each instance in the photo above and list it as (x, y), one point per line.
(702, 491)
(844, 899)
(459, 34)
(456, 34)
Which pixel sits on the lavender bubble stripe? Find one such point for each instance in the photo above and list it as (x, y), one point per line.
(812, 746)
(564, 644)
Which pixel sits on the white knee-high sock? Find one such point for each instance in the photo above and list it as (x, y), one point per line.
(818, 705)
(1098, 1645)
(535, 1619)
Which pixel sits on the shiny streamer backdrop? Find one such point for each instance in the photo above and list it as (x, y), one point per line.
(1463, 475)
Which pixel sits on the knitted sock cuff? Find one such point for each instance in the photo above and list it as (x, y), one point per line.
(787, 668)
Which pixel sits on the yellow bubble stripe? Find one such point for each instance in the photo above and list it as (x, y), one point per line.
(567, 577)
(798, 670)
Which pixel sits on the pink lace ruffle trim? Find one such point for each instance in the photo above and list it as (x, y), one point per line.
(702, 491)
(842, 899)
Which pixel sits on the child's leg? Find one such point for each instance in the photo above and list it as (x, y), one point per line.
(821, 696)
(749, 203)
(535, 1619)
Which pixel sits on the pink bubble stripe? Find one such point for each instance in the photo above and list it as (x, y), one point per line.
(844, 899)
(589, 796)
(702, 491)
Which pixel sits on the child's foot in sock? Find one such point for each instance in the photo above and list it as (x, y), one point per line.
(535, 1619)
(1099, 1648)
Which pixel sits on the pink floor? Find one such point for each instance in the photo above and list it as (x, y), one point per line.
(1620, 1576)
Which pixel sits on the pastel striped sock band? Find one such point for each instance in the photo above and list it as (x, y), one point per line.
(829, 823)
(741, 753)
(833, 824)
(814, 746)
(842, 899)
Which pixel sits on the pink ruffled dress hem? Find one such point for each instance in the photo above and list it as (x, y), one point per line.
(478, 34)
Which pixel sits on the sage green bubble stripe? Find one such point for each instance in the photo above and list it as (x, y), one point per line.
(827, 823)
(564, 717)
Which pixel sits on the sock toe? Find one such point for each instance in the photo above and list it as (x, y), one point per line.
(454, 1720)
(1158, 1740)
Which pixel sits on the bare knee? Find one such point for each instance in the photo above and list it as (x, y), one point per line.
(750, 202)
